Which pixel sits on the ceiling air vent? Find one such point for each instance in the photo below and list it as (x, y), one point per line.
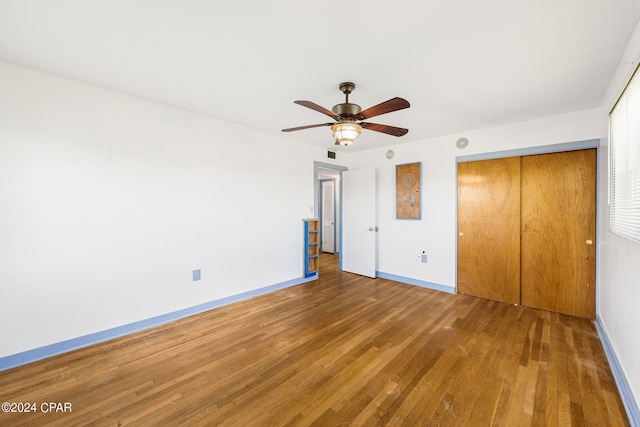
(462, 143)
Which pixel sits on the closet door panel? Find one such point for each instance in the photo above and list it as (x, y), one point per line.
(558, 232)
(489, 229)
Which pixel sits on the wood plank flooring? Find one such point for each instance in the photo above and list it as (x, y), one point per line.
(341, 350)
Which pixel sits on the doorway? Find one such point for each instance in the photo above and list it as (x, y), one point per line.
(356, 217)
(328, 206)
(328, 217)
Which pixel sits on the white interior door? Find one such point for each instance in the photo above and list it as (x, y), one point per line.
(359, 230)
(328, 217)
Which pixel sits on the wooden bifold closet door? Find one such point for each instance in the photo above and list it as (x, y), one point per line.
(539, 249)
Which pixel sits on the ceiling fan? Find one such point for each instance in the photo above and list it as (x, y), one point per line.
(349, 117)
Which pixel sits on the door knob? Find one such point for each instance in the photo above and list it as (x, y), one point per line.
(370, 228)
(589, 242)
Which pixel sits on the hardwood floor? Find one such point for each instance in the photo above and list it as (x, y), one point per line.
(341, 350)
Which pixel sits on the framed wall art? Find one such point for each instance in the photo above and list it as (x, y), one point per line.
(408, 191)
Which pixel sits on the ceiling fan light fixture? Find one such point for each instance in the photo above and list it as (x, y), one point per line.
(346, 133)
(347, 115)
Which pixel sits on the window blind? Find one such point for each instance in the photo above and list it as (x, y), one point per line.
(624, 162)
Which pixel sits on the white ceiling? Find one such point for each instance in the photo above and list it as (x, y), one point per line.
(462, 64)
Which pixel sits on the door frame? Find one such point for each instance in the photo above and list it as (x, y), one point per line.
(316, 199)
(529, 151)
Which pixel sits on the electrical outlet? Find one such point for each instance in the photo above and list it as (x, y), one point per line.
(196, 275)
(423, 258)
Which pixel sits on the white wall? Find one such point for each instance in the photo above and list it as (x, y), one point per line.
(108, 202)
(402, 241)
(619, 257)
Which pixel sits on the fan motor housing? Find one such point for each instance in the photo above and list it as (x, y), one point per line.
(346, 109)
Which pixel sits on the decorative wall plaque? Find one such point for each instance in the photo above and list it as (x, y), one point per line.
(408, 191)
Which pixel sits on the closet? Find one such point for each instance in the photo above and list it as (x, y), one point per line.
(526, 231)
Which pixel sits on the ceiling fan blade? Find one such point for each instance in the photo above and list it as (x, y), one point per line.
(393, 104)
(390, 130)
(307, 127)
(318, 108)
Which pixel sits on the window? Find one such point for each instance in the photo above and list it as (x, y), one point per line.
(624, 162)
